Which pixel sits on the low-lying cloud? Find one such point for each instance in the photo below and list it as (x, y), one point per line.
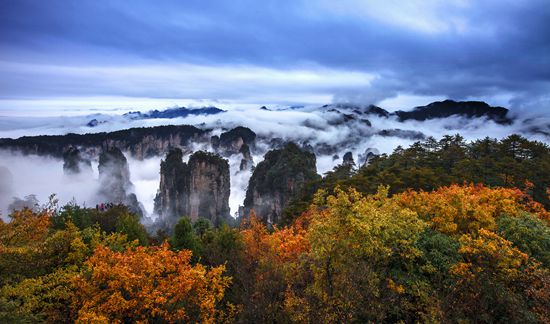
(324, 129)
(43, 176)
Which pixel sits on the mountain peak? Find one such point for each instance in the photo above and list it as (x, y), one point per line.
(448, 108)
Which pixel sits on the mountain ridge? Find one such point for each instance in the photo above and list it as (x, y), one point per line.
(437, 109)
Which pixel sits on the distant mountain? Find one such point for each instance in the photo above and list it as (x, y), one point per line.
(439, 109)
(409, 134)
(447, 108)
(173, 113)
(358, 109)
(180, 112)
(140, 142)
(374, 110)
(94, 122)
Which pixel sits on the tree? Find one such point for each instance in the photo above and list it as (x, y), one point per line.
(362, 249)
(129, 225)
(224, 246)
(202, 226)
(495, 282)
(184, 238)
(117, 218)
(41, 299)
(38, 265)
(148, 284)
(267, 258)
(529, 234)
(21, 245)
(466, 209)
(512, 162)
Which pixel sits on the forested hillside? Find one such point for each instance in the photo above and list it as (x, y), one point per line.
(513, 162)
(440, 232)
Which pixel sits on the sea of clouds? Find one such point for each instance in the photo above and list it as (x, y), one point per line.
(313, 125)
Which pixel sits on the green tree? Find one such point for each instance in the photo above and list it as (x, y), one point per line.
(129, 224)
(202, 226)
(529, 233)
(184, 238)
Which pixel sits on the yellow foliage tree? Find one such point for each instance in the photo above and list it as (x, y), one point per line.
(466, 209)
(355, 241)
(25, 228)
(496, 282)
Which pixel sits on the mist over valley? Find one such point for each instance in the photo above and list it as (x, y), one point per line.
(35, 162)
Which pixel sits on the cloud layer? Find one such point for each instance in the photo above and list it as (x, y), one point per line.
(291, 51)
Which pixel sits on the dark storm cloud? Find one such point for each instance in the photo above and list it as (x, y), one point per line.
(458, 49)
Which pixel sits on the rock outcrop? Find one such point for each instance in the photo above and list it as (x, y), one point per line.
(74, 163)
(172, 197)
(246, 162)
(215, 142)
(197, 189)
(114, 181)
(232, 141)
(209, 187)
(239, 140)
(348, 159)
(277, 179)
(7, 191)
(365, 158)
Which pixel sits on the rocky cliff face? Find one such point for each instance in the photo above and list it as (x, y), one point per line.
(114, 178)
(277, 179)
(139, 142)
(209, 187)
(172, 197)
(365, 158)
(239, 140)
(196, 189)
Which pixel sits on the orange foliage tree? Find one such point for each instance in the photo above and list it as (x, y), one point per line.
(148, 284)
(269, 258)
(284, 244)
(26, 227)
(22, 245)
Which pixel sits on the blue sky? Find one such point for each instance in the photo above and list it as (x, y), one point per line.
(398, 54)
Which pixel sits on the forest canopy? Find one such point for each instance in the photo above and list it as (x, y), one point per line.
(415, 236)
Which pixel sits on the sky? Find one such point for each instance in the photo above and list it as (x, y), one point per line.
(88, 55)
